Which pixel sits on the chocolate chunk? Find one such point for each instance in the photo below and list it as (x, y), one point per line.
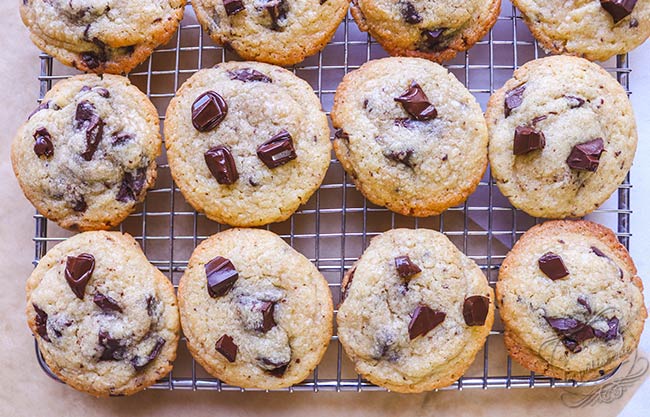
(80, 205)
(539, 119)
(86, 118)
(598, 252)
(41, 323)
(121, 138)
(514, 98)
(43, 143)
(221, 275)
(208, 110)
(611, 333)
(248, 75)
(274, 368)
(575, 102)
(139, 362)
(152, 304)
(92, 59)
(233, 6)
(527, 140)
(618, 9)
(552, 266)
(423, 320)
(132, 185)
(103, 92)
(410, 14)
(78, 270)
(221, 164)
(403, 157)
(348, 283)
(634, 23)
(475, 310)
(268, 322)
(405, 122)
(572, 331)
(416, 103)
(113, 348)
(586, 156)
(583, 302)
(106, 303)
(340, 134)
(227, 347)
(278, 150)
(405, 267)
(433, 38)
(278, 11)
(42, 106)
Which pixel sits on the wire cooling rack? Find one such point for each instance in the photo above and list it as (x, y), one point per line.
(335, 226)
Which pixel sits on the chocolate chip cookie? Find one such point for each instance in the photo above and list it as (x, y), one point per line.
(87, 155)
(433, 29)
(562, 137)
(416, 311)
(570, 300)
(102, 36)
(593, 29)
(255, 312)
(247, 142)
(410, 135)
(105, 319)
(281, 32)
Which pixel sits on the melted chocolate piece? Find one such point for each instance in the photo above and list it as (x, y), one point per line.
(121, 138)
(249, 75)
(513, 99)
(410, 14)
(433, 39)
(571, 331)
(80, 205)
(416, 103)
(405, 267)
(346, 287)
(598, 252)
(86, 118)
(221, 164)
(106, 303)
(139, 362)
(278, 11)
(42, 106)
(43, 143)
(575, 102)
(475, 310)
(221, 275)
(404, 122)
(586, 156)
(552, 266)
(41, 323)
(233, 6)
(132, 185)
(277, 369)
(152, 303)
(227, 347)
(583, 302)
(268, 322)
(423, 320)
(527, 140)
(113, 348)
(78, 270)
(208, 110)
(92, 59)
(340, 134)
(618, 9)
(402, 157)
(611, 333)
(278, 150)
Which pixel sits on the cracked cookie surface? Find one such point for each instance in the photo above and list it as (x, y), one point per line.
(87, 155)
(580, 325)
(569, 102)
(281, 32)
(256, 313)
(105, 319)
(409, 330)
(102, 36)
(407, 156)
(247, 142)
(433, 29)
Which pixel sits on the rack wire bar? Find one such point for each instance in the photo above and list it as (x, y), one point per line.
(335, 226)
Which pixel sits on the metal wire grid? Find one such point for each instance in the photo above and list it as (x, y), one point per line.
(335, 226)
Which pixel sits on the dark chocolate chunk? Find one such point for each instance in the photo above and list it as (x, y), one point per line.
(598, 252)
(586, 156)
(475, 310)
(278, 11)
(86, 118)
(208, 110)
(611, 333)
(433, 38)
(348, 283)
(233, 6)
(43, 143)
(42, 106)
(113, 348)
(423, 320)
(80, 205)
(41, 323)
(416, 103)
(403, 157)
(221, 164)
(227, 347)
(139, 362)
(221, 275)
(78, 270)
(340, 134)
(92, 59)
(268, 322)
(405, 122)
(527, 140)
(575, 102)
(572, 331)
(121, 138)
(152, 304)
(552, 266)
(103, 92)
(248, 75)
(539, 119)
(410, 14)
(405, 267)
(274, 368)
(514, 98)
(583, 302)
(106, 303)
(278, 150)
(634, 23)
(618, 9)
(132, 185)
